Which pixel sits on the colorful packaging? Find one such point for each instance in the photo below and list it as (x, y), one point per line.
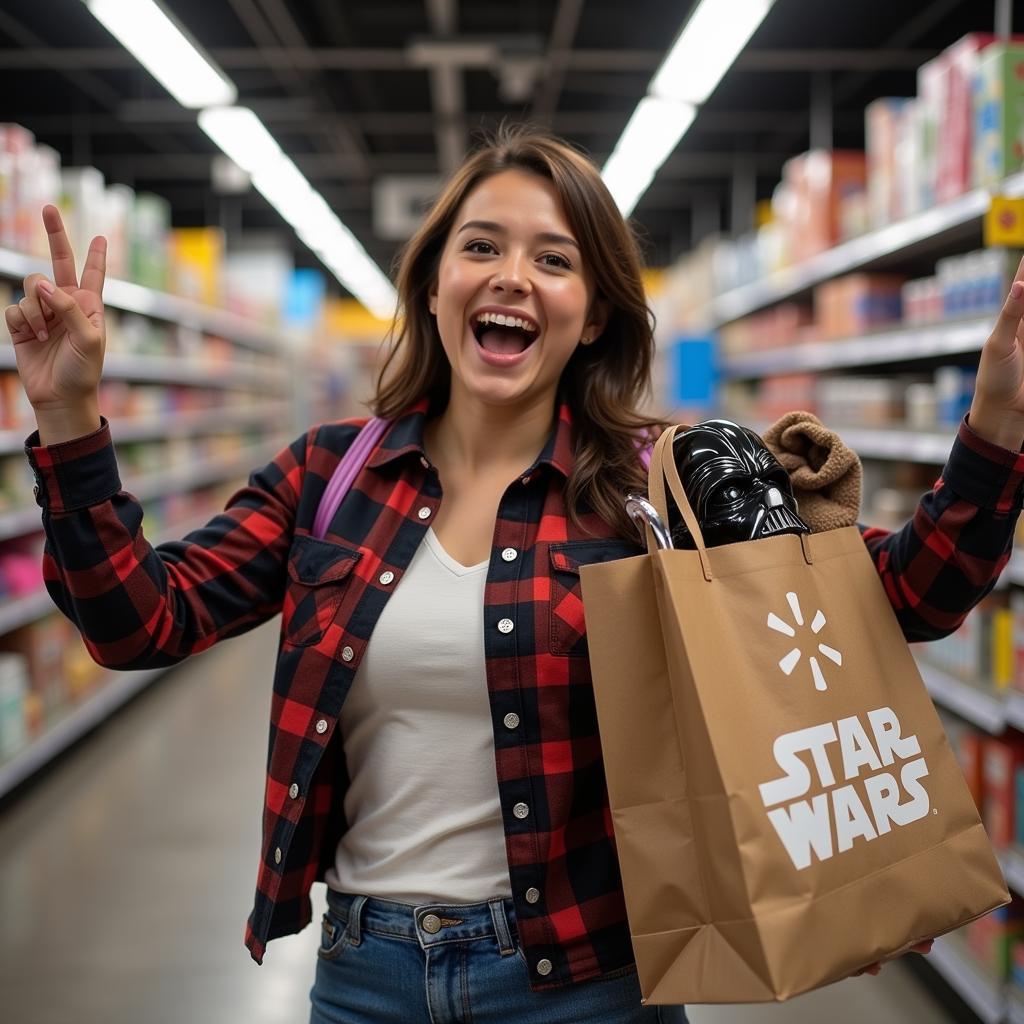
(991, 938)
(1003, 755)
(957, 115)
(197, 256)
(881, 131)
(998, 109)
(14, 687)
(970, 755)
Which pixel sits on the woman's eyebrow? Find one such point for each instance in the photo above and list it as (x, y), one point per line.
(541, 236)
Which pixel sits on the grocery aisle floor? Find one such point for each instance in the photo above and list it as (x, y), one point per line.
(126, 875)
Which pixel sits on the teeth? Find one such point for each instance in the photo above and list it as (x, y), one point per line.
(507, 321)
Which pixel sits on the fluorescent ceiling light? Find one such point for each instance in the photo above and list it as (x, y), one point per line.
(707, 47)
(163, 49)
(245, 139)
(652, 133)
(242, 137)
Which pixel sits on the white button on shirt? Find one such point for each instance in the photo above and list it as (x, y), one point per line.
(506, 626)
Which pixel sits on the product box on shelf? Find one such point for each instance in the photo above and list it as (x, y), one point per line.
(856, 303)
(16, 145)
(970, 754)
(149, 256)
(960, 65)
(881, 132)
(817, 182)
(998, 148)
(42, 644)
(1002, 756)
(197, 258)
(83, 204)
(14, 689)
(991, 938)
(930, 84)
(908, 161)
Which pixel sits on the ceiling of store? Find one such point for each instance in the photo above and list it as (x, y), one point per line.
(360, 92)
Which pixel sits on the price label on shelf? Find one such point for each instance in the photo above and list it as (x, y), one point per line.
(1004, 222)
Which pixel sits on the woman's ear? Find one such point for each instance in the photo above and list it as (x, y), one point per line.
(600, 310)
(432, 299)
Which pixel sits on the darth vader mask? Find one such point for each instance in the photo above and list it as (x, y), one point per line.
(738, 489)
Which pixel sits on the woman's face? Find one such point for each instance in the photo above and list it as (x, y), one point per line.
(512, 297)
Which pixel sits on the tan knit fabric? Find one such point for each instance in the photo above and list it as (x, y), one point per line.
(826, 475)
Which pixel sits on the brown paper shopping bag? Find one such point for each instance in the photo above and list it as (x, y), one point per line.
(786, 806)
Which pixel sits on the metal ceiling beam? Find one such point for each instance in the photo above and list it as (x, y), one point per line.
(397, 59)
(567, 20)
(447, 89)
(302, 116)
(327, 167)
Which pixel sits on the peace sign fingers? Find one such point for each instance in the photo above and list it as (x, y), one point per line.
(61, 256)
(95, 270)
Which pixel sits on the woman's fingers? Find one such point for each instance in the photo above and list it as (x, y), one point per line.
(1004, 335)
(18, 325)
(94, 272)
(32, 307)
(61, 255)
(70, 313)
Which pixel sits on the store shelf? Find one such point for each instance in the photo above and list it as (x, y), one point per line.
(169, 425)
(1015, 1010)
(134, 298)
(897, 345)
(20, 521)
(890, 443)
(106, 699)
(169, 370)
(901, 239)
(1012, 863)
(986, 709)
(984, 995)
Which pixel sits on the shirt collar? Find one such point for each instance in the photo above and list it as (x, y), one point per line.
(405, 437)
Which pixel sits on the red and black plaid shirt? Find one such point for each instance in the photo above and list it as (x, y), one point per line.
(139, 606)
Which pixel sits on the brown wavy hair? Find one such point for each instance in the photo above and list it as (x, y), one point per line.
(604, 382)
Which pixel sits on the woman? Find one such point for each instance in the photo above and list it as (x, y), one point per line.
(460, 819)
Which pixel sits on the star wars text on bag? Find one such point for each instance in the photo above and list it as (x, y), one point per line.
(829, 822)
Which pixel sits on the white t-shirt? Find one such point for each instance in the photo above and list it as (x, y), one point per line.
(425, 822)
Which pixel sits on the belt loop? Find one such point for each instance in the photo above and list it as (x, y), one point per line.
(501, 929)
(354, 914)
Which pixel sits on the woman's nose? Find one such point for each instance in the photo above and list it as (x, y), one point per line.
(511, 274)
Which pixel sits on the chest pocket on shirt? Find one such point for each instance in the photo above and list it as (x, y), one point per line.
(567, 629)
(319, 573)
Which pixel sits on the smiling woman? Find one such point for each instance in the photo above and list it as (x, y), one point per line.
(521, 291)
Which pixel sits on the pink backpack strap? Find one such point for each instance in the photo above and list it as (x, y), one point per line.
(346, 472)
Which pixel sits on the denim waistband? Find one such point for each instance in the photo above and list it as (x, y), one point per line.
(426, 923)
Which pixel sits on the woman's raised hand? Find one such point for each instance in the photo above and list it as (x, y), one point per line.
(58, 328)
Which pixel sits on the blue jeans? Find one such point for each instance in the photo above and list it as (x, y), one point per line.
(376, 964)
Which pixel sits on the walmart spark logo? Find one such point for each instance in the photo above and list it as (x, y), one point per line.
(790, 661)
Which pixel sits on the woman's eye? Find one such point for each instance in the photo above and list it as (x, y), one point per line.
(481, 247)
(559, 261)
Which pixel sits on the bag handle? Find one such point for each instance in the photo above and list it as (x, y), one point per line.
(663, 468)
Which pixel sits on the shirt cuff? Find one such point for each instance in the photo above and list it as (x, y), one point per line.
(985, 474)
(74, 474)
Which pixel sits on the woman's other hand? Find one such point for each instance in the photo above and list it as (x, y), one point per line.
(997, 410)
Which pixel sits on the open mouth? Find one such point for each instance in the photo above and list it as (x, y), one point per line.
(504, 335)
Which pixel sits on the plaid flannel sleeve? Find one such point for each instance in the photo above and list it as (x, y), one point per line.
(950, 554)
(141, 606)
